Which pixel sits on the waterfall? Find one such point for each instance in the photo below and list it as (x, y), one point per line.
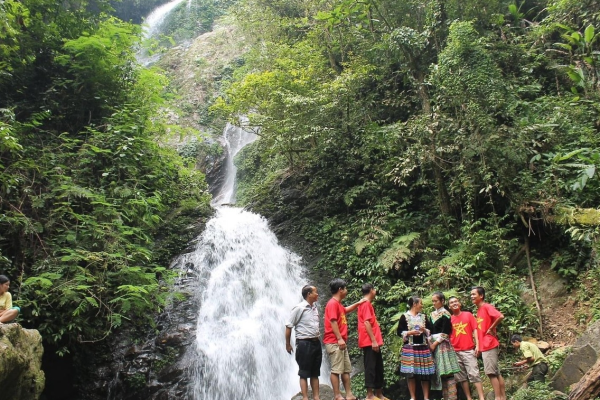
(247, 285)
(153, 21)
(235, 139)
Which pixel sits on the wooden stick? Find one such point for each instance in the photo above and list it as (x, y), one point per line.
(535, 296)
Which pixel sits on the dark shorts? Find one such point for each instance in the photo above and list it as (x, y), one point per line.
(308, 357)
(373, 361)
(538, 372)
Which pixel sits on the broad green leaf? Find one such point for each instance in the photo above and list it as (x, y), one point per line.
(589, 34)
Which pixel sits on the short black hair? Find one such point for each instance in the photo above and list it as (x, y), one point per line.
(516, 338)
(366, 288)
(4, 279)
(480, 291)
(306, 290)
(337, 284)
(453, 297)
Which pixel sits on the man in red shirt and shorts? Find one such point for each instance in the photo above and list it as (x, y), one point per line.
(487, 320)
(466, 344)
(336, 336)
(370, 341)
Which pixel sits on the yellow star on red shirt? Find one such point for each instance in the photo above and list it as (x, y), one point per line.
(479, 321)
(460, 328)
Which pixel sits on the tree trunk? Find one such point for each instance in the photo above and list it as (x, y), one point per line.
(443, 196)
(588, 387)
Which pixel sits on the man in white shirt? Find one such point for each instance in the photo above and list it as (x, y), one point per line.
(305, 318)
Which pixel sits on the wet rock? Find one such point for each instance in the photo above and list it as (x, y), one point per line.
(170, 339)
(150, 368)
(171, 373)
(325, 392)
(214, 167)
(21, 376)
(133, 351)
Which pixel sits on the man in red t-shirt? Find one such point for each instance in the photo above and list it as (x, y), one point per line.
(335, 337)
(466, 344)
(487, 320)
(370, 341)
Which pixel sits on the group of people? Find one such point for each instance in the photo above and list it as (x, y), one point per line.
(305, 319)
(440, 350)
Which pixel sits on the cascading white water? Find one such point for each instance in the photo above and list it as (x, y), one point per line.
(155, 19)
(151, 28)
(235, 139)
(248, 286)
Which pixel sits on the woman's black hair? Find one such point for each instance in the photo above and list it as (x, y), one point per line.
(412, 300)
(440, 296)
(4, 279)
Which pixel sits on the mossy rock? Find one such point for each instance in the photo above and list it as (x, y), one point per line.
(21, 375)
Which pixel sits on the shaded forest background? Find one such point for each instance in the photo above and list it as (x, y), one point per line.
(418, 145)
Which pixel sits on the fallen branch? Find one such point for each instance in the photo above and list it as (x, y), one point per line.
(535, 296)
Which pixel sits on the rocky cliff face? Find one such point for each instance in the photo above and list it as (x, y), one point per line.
(584, 354)
(21, 376)
(152, 367)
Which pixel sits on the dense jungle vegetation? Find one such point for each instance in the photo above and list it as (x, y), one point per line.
(426, 145)
(418, 145)
(92, 208)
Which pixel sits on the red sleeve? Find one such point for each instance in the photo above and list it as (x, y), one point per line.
(493, 313)
(331, 312)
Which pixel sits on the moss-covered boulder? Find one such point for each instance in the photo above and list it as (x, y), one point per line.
(21, 376)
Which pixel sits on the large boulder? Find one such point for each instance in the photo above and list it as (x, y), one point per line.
(21, 375)
(584, 355)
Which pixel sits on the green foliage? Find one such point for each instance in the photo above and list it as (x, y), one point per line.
(86, 190)
(136, 381)
(409, 141)
(556, 359)
(399, 252)
(190, 19)
(537, 390)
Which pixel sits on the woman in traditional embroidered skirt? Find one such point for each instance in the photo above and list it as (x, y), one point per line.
(416, 361)
(446, 362)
